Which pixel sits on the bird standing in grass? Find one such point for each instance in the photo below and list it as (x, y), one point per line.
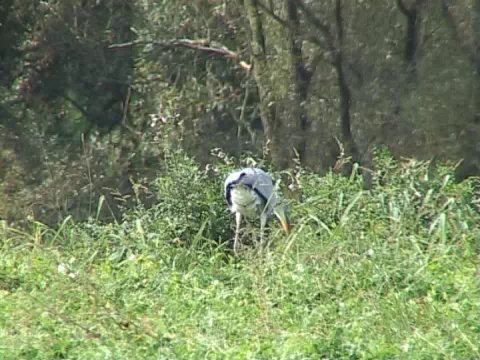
(250, 192)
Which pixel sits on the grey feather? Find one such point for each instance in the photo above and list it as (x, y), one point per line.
(251, 192)
(257, 180)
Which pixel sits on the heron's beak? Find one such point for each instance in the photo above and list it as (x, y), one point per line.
(282, 216)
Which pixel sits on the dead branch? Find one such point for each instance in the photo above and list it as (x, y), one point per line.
(203, 45)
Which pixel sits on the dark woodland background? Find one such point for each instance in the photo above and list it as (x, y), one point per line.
(95, 92)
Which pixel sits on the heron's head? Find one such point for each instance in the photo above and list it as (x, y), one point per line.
(235, 180)
(281, 213)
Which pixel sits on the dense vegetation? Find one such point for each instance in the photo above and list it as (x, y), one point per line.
(120, 119)
(377, 274)
(93, 92)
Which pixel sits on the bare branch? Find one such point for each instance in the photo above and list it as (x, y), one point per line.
(200, 45)
(274, 16)
(314, 39)
(317, 23)
(125, 106)
(123, 123)
(76, 105)
(241, 118)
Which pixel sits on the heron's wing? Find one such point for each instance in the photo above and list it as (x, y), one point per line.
(263, 185)
(258, 180)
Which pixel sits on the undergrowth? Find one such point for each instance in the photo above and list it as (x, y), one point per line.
(389, 273)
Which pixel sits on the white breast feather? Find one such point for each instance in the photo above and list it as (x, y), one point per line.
(245, 201)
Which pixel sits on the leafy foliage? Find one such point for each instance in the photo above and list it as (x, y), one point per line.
(64, 85)
(190, 205)
(385, 273)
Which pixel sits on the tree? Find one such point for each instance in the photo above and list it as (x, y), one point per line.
(317, 83)
(294, 117)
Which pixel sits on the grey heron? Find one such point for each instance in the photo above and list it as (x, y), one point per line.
(250, 192)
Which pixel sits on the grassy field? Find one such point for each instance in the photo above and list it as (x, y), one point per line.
(389, 273)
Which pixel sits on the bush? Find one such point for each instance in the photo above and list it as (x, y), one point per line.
(385, 273)
(190, 205)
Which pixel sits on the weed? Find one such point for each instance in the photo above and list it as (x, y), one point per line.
(380, 274)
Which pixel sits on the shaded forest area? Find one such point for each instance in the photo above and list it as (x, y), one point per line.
(95, 92)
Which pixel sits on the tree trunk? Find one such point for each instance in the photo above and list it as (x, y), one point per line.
(268, 111)
(281, 127)
(468, 137)
(299, 80)
(476, 58)
(345, 97)
(412, 16)
(471, 135)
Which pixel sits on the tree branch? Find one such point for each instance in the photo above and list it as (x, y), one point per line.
(199, 45)
(318, 24)
(76, 104)
(270, 12)
(305, 35)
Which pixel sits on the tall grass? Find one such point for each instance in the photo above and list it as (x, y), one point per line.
(383, 274)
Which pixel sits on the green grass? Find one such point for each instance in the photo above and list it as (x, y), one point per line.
(385, 274)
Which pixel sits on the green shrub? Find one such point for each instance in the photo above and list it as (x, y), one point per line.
(382, 274)
(190, 205)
